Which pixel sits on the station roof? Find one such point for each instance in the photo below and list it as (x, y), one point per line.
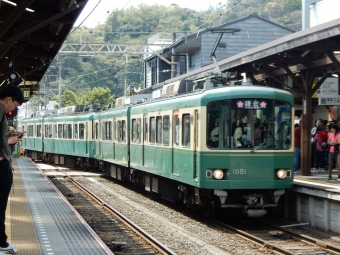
(31, 34)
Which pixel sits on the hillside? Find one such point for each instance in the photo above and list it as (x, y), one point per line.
(135, 25)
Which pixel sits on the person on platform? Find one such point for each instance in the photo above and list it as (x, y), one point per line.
(10, 97)
(333, 142)
(321, 149)
(297, 148)
(318, 122)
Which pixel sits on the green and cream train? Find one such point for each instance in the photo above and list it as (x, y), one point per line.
(222, 148)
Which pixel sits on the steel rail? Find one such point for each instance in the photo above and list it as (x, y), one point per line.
(307, 239)
(151, 240)
(255, 239)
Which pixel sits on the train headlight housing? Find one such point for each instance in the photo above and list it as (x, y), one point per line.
(281, 174)
(218, 174)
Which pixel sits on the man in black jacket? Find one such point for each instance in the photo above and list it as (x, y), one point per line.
(10, 97)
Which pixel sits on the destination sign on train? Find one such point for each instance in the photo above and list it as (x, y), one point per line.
(251, 104)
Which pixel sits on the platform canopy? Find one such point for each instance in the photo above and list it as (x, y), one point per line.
(31, 34)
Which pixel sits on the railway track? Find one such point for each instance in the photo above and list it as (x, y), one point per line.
(281, 240)
(120, 234)
(260, 238)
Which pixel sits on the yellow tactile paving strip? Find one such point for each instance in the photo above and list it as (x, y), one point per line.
(20, 227)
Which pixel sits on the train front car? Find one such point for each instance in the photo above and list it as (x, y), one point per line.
(245, 151)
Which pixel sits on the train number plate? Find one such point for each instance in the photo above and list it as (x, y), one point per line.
(239, 171)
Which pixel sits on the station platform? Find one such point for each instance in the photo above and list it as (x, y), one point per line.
(40, 221)
(318, 180)
(315, 200)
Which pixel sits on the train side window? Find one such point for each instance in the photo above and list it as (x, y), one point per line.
(75, 131)
(146, 137)
(124, 130)
(186, 130)
(176, 129)
(64, 131)
(50, 131)
(152, 130)
(103, 131)
(81, 131)
(96, 131)
(69, 131)
(30, 130)
(159, 129)
(134, 131)
(119, 131)
(115, 131)
(38, 130)
(139, 130)
(108, 130)
(55, 131)
(46, 131)
(166, 127)
(60, 131)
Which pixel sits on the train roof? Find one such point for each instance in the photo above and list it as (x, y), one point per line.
(203, 97)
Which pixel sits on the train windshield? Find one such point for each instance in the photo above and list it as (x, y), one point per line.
(249, 123)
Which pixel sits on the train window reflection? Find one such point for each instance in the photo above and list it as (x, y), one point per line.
(249, 123)
(81, 130)
(134, 131)
(55, 131)
(109, 130)
(186, 130)
(119, 131)
(159, 130)
(166, 126)
(60, 130)
(38, 130)
(152, 130)
(282, 125)
(69, 131)
(124, 131)
(146, 130)
(64, 131)
(76, 131)
(176, 130)
(139, 120)
(218, 124)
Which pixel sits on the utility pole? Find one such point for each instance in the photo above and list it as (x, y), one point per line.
(125, 83)
(59, 83)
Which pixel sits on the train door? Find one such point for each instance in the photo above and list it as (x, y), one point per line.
(176, 136)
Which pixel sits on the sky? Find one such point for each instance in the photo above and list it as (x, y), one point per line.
(99, 15)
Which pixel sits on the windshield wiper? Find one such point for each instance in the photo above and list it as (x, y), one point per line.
(259, 146)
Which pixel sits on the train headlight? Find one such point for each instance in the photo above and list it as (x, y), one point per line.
(281, 173)
(218, 174)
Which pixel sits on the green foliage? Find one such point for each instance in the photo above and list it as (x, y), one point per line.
(134, 25)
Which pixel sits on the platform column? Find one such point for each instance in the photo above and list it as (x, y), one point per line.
(312, 211)
(326, 215)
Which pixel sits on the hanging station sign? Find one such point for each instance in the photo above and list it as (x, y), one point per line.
(329, 101)
(329, 88)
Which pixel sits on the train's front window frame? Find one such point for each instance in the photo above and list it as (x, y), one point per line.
(249, 123)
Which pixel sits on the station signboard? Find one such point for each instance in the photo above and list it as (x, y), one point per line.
(26, 93)
(329, 101)
(329, 88)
